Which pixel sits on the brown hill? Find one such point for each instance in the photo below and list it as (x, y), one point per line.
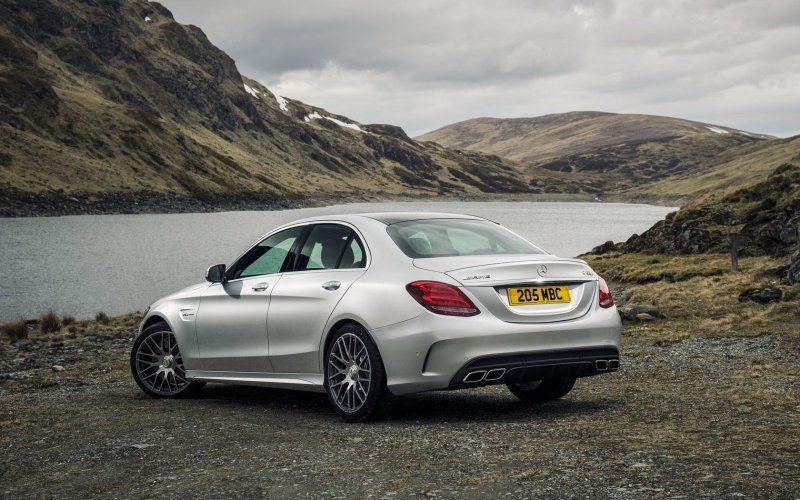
(607, 152)
(112, 99)
(533, 140)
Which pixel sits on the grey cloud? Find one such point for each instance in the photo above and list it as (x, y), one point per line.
(425, 63)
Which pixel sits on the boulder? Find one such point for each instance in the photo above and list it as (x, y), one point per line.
(642, 313)
(761, 295)
(606, 247)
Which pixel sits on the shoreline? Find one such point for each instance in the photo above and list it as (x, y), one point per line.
(25, 205)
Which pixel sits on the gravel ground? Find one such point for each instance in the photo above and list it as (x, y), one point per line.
(698, 418)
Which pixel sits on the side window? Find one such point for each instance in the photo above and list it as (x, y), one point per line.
(354, 256)
(268, 256)
(331, 246)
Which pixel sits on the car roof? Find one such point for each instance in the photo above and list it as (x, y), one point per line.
(389, 218)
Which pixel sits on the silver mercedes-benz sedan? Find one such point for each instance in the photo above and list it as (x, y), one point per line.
(371, 306)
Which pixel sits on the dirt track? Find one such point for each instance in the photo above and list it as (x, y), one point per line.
(707, 417)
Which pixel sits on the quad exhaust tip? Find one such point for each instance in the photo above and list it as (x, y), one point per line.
(494, 375)
(474, 377)
(603, 365)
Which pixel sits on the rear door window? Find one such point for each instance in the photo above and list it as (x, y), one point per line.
(331, 246)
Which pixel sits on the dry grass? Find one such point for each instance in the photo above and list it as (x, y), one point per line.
(644, 268)
(49, 322)
(125, 320)
(102, 318)
(15, 330)
(67, 320)
(699, 295)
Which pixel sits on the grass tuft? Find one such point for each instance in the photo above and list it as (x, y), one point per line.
(102, 318)
(16, 329)
(49, 322)
(67, 320)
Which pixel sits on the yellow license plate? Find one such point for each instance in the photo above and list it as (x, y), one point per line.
(527, 295)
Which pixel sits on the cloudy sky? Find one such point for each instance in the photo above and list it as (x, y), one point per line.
(422, 64)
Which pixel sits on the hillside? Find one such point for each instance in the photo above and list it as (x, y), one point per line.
(734, 167)
(765, 214)
(102, 101)
(608, 152)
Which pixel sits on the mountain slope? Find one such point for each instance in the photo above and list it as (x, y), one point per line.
(114, 99)
(736, 166)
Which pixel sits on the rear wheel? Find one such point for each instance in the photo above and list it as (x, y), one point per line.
(542, 390)
(157, 364)
(355, 379)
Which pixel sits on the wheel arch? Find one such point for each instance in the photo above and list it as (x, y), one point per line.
(152, 320)
(328, 335)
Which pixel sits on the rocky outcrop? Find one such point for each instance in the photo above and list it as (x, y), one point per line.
(790, 274)
(765, 216)
(762, 295)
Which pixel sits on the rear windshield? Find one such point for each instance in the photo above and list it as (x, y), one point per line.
(420, 239)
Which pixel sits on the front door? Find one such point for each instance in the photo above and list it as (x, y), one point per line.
(231, 321)
(332, 258)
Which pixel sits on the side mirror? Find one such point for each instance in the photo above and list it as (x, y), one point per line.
(216, 274)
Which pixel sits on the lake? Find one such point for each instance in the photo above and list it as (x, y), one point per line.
(82, 264)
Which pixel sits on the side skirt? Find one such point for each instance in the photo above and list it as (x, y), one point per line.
(311, 382)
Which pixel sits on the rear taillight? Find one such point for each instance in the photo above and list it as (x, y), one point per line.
(442, 298)
(604, 294)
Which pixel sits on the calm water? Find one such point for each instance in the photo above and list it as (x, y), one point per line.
(120, 263)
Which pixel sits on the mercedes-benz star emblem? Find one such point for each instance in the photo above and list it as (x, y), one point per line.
(542, 270)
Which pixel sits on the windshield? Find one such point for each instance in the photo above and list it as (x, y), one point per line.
(421, 239)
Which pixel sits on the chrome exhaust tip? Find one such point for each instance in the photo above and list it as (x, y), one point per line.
(474, 377)
(613, 364)
(495, 374)
(601, 365)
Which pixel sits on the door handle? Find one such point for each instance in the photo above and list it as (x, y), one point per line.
(331, 285)
(260, 287)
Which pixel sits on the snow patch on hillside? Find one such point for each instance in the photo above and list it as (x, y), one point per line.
(282, 102)
(316, 116)
(717, 130)
(147, 19)
(250, 90)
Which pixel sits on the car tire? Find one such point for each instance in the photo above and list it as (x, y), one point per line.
(355, 378)
(542, 390)
(157, 364)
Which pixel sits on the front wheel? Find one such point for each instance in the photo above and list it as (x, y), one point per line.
(157, 364)
(542, 390)
(355, 379)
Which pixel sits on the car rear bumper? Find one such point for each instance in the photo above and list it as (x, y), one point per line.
(433, 352)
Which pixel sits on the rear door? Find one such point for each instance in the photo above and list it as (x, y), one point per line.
(332, 258)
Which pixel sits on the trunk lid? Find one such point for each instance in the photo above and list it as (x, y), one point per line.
(488, 277)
